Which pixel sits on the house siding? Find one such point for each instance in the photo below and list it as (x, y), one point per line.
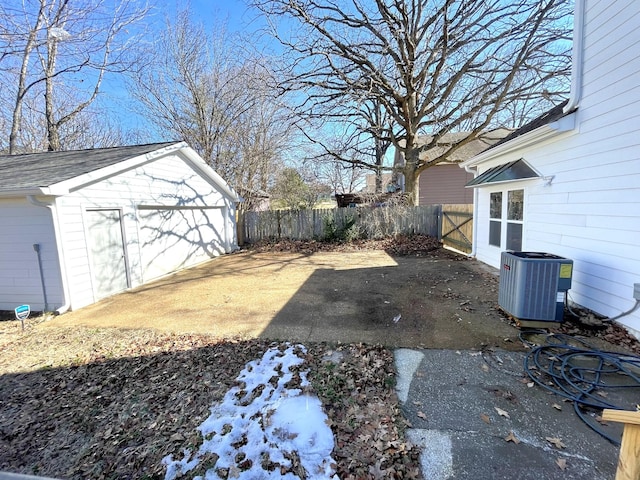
(24, 225)
(445, 184)
(161, 182)
(591, 210)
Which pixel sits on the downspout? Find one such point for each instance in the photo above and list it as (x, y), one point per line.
(577, 56)
(56, 230)
(474, 224)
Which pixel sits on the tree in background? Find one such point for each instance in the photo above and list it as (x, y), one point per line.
(203, 87)
(433, 67)
(55, 55)
(292, 191)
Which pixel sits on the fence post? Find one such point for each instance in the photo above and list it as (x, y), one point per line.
(240, 227)
(628, 460)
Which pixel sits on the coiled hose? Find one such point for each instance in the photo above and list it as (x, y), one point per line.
(590, 378)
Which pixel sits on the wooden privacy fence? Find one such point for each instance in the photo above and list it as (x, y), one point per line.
(457, 227)
(364, 222)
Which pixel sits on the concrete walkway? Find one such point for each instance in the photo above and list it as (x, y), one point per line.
(451, 400)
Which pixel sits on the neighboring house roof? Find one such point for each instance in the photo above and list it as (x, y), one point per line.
(55, 173)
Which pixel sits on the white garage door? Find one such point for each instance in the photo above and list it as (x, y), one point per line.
(174, 238)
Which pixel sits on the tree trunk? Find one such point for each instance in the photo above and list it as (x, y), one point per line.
(16, 121)
(53, 136)
(411, 189)
(378, 181)
(411, 175)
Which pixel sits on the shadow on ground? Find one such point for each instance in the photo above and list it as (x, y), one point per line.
(420, 302)
(438, 301)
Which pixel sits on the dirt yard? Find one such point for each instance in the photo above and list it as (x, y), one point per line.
(430, 298)
(111, 389)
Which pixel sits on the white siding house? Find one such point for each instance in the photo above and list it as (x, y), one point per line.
(79, 226)
(582, 200)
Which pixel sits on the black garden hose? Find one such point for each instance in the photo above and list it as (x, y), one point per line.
(590, 378)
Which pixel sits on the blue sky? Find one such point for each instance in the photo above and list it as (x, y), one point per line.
(233, 13)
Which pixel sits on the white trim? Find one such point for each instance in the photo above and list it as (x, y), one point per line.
(565, 124)
(201, 166)
(178, 207)
(75, 183)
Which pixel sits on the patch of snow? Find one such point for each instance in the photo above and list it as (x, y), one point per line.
(261, 421)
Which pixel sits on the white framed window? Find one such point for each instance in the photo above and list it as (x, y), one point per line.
(506, 219)
(495, 219)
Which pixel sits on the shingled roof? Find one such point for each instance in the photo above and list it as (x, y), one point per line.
(556, 113)
(39, 170)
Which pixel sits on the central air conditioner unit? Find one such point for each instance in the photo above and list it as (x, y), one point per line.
(533, 286)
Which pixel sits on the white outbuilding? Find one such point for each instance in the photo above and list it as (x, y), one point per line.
(81, 225)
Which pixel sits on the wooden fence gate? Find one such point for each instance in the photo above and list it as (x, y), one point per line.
(457, 227)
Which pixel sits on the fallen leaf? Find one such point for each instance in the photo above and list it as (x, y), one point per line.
(485, 418)
(531, 384)
(601, 420)
(376, 471)
(422, 415)
(557, 407)
(562, 463)
(556, 442)
(502, 413)
(512, 438)
(485, 367)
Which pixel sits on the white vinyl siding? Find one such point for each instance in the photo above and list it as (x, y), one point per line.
(173, 238)
(24, 225)
(590, 212)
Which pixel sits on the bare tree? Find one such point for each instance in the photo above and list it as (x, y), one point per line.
(360, 142)
(90, 128)
(76, 44)
(433, 66)
(340, 176)
(205, 89)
